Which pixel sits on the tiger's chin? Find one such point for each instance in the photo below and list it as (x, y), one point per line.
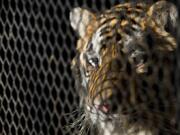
(113, 124)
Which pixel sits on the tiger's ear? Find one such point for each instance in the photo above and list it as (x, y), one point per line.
(79, 19)
(165, 14)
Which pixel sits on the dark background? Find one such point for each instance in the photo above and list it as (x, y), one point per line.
(36, 48)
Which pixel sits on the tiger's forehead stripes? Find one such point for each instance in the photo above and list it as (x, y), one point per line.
(141, 6)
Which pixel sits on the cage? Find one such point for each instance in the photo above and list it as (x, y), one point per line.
(37, 44)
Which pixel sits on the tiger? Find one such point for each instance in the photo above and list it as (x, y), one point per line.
(124, 68)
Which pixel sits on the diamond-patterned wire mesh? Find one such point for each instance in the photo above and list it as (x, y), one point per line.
(36, 48)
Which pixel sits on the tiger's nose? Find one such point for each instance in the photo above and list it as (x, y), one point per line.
(108, 104)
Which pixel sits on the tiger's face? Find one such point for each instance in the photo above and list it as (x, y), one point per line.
(121, 53)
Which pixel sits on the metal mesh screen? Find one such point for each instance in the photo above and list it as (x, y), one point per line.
(36, 48)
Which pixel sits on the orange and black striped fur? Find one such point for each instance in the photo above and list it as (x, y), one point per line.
(124, 68)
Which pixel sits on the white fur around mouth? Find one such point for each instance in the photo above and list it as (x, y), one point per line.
(97, 117)
(108, 126)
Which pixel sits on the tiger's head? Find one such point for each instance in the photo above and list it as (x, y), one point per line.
(123, 67)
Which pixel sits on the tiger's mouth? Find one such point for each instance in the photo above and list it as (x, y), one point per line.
(100, 113)
(108, 122)
(103, 109)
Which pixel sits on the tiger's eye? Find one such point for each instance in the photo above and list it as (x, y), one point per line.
(94, 62)
(90, 46)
